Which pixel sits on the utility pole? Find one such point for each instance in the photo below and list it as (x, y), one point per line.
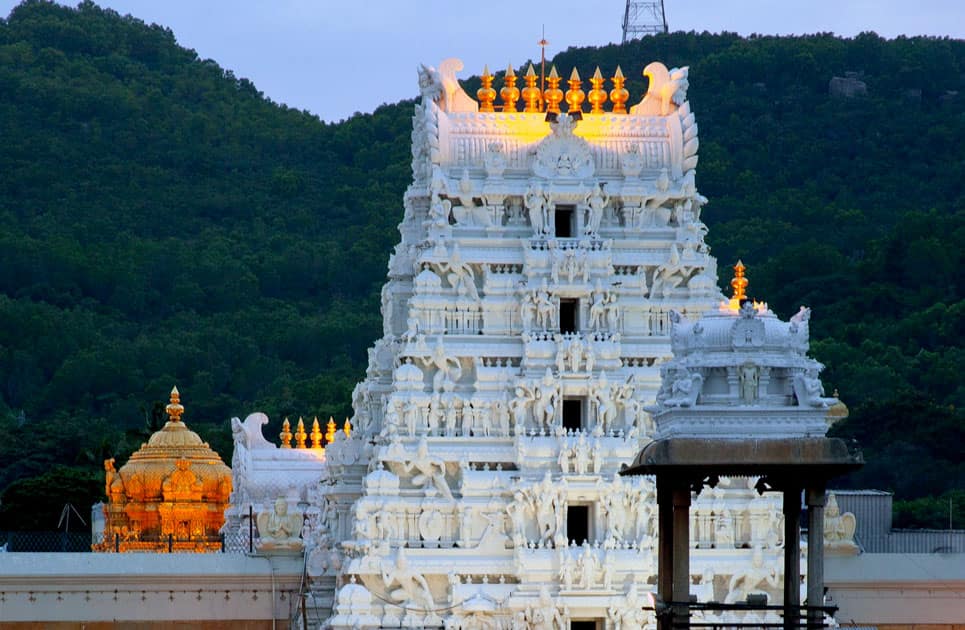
(643, 18)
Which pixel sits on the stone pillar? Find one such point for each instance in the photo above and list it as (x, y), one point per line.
(815, 501)
(792, 556)
(664, 548)
(681, 551)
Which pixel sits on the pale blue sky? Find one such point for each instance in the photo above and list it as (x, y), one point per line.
(334, 57)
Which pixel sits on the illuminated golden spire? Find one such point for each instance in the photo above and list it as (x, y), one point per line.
(510, 93)
(739, 283)
(553, 94)
(575, 95)
(597, 95)
(486, 94)
(619, 94)
(316, 434)
(300, 434)
(175, 409)
(286, 434)
(347, 427)
(531, 93)
(330, 430)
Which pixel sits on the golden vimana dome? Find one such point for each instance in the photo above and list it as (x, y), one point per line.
(171, 494)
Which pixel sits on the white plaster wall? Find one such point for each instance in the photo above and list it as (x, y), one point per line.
(90, 587)
(891, 588)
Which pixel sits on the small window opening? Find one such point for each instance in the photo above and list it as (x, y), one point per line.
(565, 217)
(572, 414)
(569, 315)
(578, 523)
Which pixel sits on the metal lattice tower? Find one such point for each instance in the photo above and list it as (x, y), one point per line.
(643, 18)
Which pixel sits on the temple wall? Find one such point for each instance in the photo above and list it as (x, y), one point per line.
(146, 590)
(899, 591)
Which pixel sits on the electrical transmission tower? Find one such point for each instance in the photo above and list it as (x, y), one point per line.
(643, 18)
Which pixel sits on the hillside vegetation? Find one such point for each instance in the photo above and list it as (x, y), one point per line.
(162, 222)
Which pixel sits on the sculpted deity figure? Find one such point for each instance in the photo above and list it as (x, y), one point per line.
(616, 505)
(439, 212)
(581, 455)
(588, 566)
(612, 312)
(517, 509)
(685, 389)
(405, 585)
(749, 379)
(838, 528)
(460, 274)
(809, 390)
(545, 307)
(597, 456)
(182, 484)
(598, 307)
(430, 471)
(669, 275)
(608, 571)
(518, 406)
(527, 310)
(548, 502)
(574, 352)
(606, 408)
(595, 202)
(752, 580)
(501, 415)
(110, 475)
(436, 414)
(563, 459)
(538, 206)
(494, 160)
(567, 569)
(547, 399)
(278, 529)
(630, 615)
(448, 369)
(544, 615)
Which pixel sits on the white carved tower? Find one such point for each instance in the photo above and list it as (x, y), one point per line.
(526, 314)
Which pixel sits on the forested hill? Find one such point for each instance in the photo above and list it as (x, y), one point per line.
(163, 222)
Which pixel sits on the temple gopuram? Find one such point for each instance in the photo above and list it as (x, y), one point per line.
(170, 496)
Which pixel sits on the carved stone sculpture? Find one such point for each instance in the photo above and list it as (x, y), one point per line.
(406, 586)
(278, 529)
(838, 528)
(753, 579)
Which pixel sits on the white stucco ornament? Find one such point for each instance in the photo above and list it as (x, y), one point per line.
(562, 154)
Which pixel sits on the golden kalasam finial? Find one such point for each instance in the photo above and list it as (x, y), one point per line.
(316, 434)
(286, 434)
(347, 427)
(300, 434)
(619, 94)
(510, 93)
(531, 93)
(597, 95)
(575, 95)
(330, 430)
(739, 283)
(486, 94)
(175, 409)
(553, 95)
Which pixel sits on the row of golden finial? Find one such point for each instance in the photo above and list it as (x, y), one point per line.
(316, 435)
(548, 100)
(175, 411)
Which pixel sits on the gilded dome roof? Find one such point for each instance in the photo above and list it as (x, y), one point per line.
(159, 457)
